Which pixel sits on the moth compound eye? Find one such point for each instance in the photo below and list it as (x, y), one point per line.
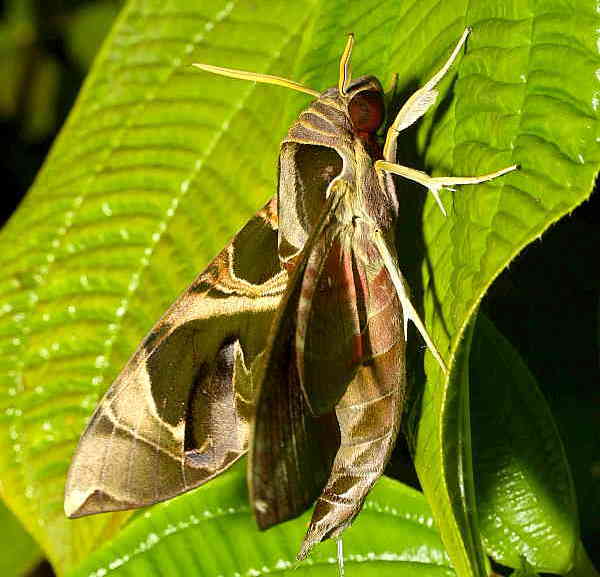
(366, 111)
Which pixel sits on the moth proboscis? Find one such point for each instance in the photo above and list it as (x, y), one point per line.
(291, 344)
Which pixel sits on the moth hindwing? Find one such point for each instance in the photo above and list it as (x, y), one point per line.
(291, 342)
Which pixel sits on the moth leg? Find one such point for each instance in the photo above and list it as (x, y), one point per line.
(390, 94)
(419, 103)
(393, 87)
(436, 183)
(408, 310)
(340, 556)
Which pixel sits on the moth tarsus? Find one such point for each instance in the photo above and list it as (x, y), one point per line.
(340, 556)
(298, 326)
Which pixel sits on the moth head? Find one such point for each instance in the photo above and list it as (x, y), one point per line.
(365, 104)
(363, 97)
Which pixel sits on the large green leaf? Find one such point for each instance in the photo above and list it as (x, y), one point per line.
(525, 495)
(515, 99)
(20, 552)
(522, 476)
(159, 164)
(211, 532)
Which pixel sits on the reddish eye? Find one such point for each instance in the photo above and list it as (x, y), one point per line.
(366, 111)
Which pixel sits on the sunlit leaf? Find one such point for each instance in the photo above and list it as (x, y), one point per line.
(211, 531)
(20, 552)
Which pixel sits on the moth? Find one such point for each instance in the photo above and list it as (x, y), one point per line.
(290, 345)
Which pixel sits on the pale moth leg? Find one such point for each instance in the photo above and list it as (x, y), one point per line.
(435, 183)
(393, 86)
(418, 103)
(408, 310)
(340, 556)
(412, 110)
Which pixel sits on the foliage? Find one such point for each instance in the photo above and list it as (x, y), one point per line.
(20, 553)
(211, 532)
(45, 50)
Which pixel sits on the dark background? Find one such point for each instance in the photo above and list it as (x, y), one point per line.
(551, 290)
(46, 48)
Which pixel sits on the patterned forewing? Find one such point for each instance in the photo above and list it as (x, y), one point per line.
(305, 172)
(179, 412)
(292, 450)
(329, 343)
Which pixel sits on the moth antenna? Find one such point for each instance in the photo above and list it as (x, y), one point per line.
(256, 77)
(345, 66)
(408, 310)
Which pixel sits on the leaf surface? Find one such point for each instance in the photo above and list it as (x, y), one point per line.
(526, 500)
(20, 552)
(211, 531)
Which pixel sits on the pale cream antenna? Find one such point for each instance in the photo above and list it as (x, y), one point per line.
(345, 66)
(256, 77)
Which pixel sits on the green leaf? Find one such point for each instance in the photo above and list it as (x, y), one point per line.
(526, 499)
(515, 101)
(211, 531)
(20, 552)
(524, 570)
(458, 453)
(159, 164)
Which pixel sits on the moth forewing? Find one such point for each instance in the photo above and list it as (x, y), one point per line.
(179, 412)
(291, 449)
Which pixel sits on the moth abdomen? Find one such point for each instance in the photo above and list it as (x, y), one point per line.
(368, 417)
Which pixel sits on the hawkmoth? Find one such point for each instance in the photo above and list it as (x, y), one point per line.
(290, 345)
